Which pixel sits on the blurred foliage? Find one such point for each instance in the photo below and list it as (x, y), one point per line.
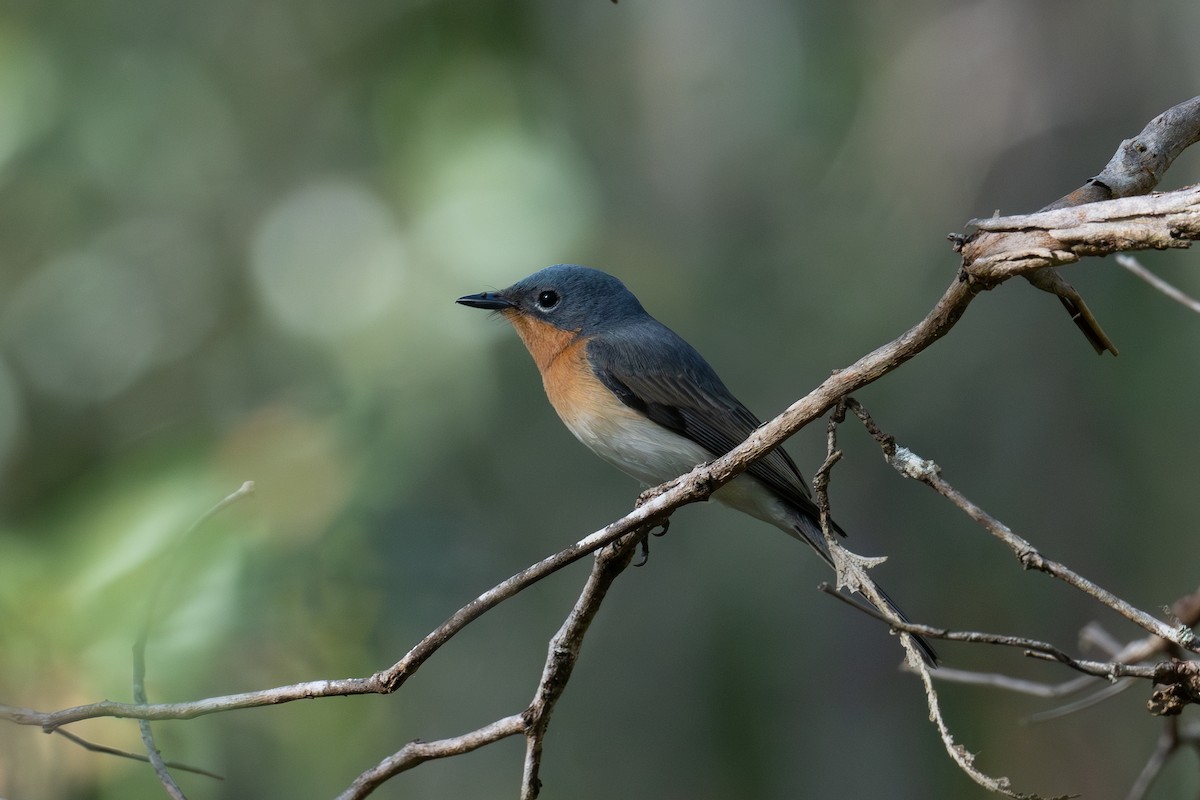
(230, 237)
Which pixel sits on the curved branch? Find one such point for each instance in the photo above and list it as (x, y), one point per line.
(991, 256)
(562, 654)
(1135, 169)
(1062, 236)
(913, 466)
(382, 682)
(418, 752)
(1140, 163)
(690, 488)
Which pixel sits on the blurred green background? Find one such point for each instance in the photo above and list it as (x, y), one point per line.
(230, 238)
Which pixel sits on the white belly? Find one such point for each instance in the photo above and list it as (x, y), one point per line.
(653, 454)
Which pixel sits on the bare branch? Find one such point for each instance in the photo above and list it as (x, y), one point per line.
(1030, 558)
(851, 568)
(51, 720)
(1168, 743)
(1133, 265)
(1079, 223)
(533, 722)
(992, 255)
(562, 654)
(418, 752)
(959, 754)
(113, 751)
(1135, 169)
(1141, 162)
(910, 465)
(1027, 242)
(996, 680)
(1063, 233)
(388, 680)
(161, 767)
(1087, 701)
(853, 571)
(1049, 280)
(1032, 647)
(694, 486)
(154, 756)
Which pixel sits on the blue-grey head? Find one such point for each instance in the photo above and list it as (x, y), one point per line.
(566, 296)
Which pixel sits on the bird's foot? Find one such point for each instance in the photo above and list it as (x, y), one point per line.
(658, 529)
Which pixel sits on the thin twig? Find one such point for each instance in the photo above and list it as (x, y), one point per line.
(996, 680)
(388, 680)
(154, 756)
(958, 753)
(913, 466)
(1032, 647)
(1106, 237)
(1168, 743)
(853, 571)
(1133, 265)
(113, 751)
(418, 752)
(172, 556)
(1185, 613)
(1030, 558)
(161, 768)
(1135, 169)
(562, 654)
(1094, 635)
(1087, 701)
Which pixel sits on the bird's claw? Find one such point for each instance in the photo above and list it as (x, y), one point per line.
(658, 529)
(644, 543)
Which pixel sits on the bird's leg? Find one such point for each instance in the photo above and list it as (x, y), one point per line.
(644, 543)
(643, 538)
(656, 528)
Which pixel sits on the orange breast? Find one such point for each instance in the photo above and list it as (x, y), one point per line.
(561, 357)
(627, 439)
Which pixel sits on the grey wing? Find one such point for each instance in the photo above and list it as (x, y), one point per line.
(672, 384)
(656, 372)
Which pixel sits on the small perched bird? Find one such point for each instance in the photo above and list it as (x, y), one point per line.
(642, 398)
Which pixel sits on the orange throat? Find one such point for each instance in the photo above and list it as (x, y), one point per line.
(543, 341)
(561, 357)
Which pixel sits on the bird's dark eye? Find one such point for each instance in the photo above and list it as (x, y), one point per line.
(547, 300)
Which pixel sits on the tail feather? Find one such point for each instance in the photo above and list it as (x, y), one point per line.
(928, 654)
(808, 531)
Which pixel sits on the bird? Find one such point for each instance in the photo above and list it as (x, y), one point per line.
(641, 398)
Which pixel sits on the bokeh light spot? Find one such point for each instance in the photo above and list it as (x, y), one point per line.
(504, 202)
(82, 328)
(28, 89)
(327, 260)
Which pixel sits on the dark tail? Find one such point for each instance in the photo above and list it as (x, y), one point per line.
(810, 532)
(928, 654)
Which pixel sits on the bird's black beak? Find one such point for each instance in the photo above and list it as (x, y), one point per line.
(489, 300)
